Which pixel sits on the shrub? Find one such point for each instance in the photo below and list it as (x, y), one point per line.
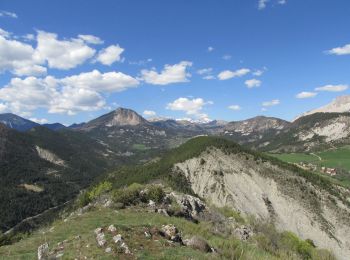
(129, 195)
(155, 193)
(99, 189)
(83, 199)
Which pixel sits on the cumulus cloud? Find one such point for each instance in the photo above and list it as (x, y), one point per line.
(106, 82)
(228, 74)
(8, 14)
(306, 94)
(67, 95)
(176, 73)
(344, 50)
(3, 107)
(61, 54)
(17, 57)
(252, 83)
(149, 113)
(90, 38)
(110, 55)
(333, 88)
(271, 103)
(235, 107)
(192, 107)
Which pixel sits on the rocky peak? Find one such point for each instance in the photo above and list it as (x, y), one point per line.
(118, 117)
(123, 116)
(340, 104)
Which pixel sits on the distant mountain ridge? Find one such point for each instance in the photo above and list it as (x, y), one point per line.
(340, 104)
(16, 122)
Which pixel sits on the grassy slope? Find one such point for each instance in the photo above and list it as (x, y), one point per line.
(335, 158)
(131, 224)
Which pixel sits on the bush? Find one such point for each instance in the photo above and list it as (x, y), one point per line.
(155, 193)
(129, 195)
(101, 188)
(83, 199)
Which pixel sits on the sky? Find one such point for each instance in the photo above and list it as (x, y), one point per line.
(71, 61)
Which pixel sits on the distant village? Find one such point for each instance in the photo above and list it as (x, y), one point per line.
(313, 167)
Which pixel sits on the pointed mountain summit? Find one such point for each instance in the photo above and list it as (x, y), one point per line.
(118, 117)
(16, 122)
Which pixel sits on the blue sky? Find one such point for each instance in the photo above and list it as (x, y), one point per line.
(70, 61)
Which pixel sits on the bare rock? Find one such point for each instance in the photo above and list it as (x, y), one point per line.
(170, 232)
(112, 228)
(43, 251)
(118, 239)
(243, 232)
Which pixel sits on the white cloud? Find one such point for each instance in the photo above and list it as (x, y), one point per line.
(262, 4)
(110, 55)
(192, 107)
(271, 103)
(4, 33)
(72, 100)
(8, 14)
(204, 71)
(149, 113)
(39, 120)
(170, 74)
(68, 95)
(17, 57)
(61, 54)
(258, 73)
(209, 77)
(235, 107)
(305, 94)
(90, 38)
(106, 82)
(344, 50)
(210, 49)
(282, 2)
(333, 88)
(3, 107)
(226, 57)
(228, 74)
(252, 83)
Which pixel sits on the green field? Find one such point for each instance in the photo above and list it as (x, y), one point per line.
(334, 158)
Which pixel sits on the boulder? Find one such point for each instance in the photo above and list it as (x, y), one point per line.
(170, 232)
(118, 239)
(198, 244)
(191, 206)
(243, 232)
(101, 241)
(43, 251)
(98, 231)
(112, 228)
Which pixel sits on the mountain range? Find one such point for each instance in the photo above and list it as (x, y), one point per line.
(44, 167)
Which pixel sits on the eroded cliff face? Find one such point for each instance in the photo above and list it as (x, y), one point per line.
(271, 193)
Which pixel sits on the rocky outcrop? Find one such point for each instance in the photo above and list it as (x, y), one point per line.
(49, 156)
(43, 251)
(272, 193)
